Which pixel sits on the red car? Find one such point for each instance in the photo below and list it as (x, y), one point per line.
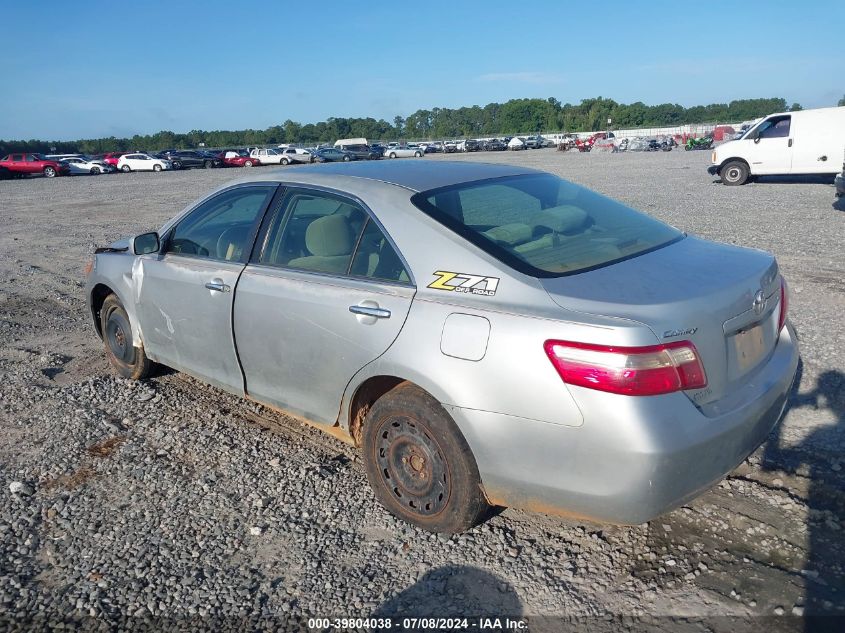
(237, 158)
(25, 164)
(587, 145)
(111, 158)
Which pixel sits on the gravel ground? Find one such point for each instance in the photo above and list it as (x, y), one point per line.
(169, 500)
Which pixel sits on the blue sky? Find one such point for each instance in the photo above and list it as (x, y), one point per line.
(89, 69)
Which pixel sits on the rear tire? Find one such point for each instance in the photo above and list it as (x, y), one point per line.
(734, 173)
(129, 360)
(418, 463)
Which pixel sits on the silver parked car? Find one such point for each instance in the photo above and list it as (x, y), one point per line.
(487, 335)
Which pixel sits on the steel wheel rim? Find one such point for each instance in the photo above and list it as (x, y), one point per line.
(119, 338)
(412, 466)
(733, 174)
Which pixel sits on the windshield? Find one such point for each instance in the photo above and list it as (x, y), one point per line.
(544, 226)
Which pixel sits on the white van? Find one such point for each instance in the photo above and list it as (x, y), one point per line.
(346, 142)
(801, 142)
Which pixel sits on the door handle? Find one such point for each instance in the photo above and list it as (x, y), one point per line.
(379, 313)
(790, 143)
(822, 158)
(217, 285)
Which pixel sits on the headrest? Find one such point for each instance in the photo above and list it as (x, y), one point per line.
(561, 219)
(329, 236)
(510, 234)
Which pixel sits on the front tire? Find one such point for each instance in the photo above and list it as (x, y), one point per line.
(156, 167)
(418, 463)
(392, 155)
(417, 155)
(734, 173)
(248, 163)
(126, 169)
(208, 164)
(284, 161)
(346, 159)
(129, 360)
(95, 170)
(49, 172)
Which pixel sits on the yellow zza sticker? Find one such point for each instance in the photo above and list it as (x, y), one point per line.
(464, 282)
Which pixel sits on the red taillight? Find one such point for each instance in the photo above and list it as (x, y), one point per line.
(784, 303)
(632, 371)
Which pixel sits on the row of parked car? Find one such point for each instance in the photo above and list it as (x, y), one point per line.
(30, 163)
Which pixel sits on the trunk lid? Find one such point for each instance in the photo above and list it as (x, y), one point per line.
(691, 290)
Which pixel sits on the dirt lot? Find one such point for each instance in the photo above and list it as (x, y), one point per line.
(170, 499)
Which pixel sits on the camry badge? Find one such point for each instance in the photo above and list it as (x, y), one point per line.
(759, 303)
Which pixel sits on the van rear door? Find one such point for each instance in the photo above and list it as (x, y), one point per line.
(768, 148)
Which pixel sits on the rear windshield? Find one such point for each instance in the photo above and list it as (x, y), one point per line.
(544, 226)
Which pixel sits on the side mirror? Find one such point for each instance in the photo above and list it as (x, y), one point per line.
(146, 243)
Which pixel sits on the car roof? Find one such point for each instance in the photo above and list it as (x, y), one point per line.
(416, 175)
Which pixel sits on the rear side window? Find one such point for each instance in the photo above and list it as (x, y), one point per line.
(320, 232)
(314, 231)
(544, 226)
(375, 258)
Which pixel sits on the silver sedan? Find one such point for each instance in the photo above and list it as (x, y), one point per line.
(487, 335)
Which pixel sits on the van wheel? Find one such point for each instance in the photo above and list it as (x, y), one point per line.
(734, 173)
(129, 361)
(419, 464)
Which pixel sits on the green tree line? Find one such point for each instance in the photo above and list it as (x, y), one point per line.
(494, 119)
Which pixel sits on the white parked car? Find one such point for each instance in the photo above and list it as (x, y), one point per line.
(516, 143)
(142, 162)
(295, 155)
(270, 156)
(404, 151)
(79, 165)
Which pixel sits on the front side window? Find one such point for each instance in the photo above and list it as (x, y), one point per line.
(544, 226)
(222, 227)
(776, 127)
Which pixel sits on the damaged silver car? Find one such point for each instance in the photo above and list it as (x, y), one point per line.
(488, 335)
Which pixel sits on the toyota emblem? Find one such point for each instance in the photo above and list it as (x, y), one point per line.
(759, 303)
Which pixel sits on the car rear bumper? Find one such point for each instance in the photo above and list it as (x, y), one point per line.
(839, 181)
(713, 170)
(634, 458)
